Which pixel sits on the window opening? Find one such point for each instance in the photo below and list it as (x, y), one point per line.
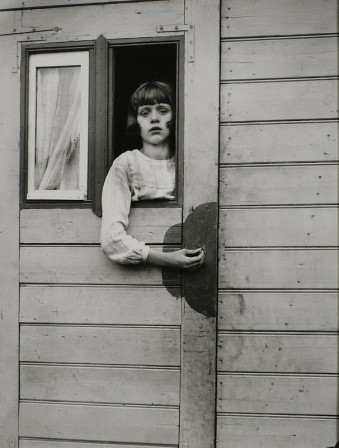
(134, 65)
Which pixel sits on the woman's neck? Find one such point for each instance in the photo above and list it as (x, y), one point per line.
(157, 152)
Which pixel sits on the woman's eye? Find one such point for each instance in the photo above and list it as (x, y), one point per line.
(144, 113)
(164, 111)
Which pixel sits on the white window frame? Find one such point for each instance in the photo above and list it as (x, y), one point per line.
(50, 60)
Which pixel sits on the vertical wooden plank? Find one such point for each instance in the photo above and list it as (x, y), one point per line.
(198, 351)
(101, 102)
(9, 240)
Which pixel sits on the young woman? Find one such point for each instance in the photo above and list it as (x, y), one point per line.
(143, 174)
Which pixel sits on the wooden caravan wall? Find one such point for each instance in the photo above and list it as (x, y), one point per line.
(99, 342)
(277, 355)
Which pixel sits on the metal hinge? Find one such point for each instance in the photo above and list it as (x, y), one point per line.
(189, 29)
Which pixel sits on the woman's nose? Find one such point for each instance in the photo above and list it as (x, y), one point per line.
(154, 116)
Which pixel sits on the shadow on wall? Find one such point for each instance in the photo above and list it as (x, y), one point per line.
(200, 287)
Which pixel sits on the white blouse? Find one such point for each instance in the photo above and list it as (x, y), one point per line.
(132, 177)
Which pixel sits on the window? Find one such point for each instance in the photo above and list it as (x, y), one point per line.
(58, 126)
(74, 122)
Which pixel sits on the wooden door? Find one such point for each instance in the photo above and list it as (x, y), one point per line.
(109, 355)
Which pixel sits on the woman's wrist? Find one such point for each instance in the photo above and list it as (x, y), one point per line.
(159, 258)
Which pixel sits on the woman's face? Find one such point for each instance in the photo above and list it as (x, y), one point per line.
(153, 120)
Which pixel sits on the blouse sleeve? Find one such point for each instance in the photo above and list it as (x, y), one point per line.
(116, 204)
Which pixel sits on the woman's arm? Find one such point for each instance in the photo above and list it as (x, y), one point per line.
(116, 203)
(186, 259)
(123, 248)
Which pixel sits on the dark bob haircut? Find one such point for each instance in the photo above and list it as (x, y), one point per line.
(148, 93)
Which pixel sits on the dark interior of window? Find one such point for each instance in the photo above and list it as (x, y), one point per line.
(133, 65)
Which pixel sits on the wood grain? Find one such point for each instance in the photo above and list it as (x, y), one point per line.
(259, 432)
(278, 311)
(102, 345)
(86, 265)
(268, 185)
(262, 143)
(290, 353)
(277, 17)
(82, 226)
(282, 269)
(100, 305)
(6, 25)
(198, 336)
(35, 443)
(289, 100)
(28, 4)
(99, 423)
(114, 21)
(9, 241)
(100, 384)
(277, 394)
(299, 227)
(284, 58)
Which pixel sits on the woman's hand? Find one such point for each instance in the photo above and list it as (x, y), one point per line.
(186, 259)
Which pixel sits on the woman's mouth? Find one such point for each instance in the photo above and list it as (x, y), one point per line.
(155, 129)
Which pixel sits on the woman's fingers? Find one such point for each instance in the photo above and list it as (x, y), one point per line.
(195, 262)
(192, 252)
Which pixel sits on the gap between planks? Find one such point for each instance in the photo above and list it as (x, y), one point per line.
(99, 286)
(68, 5)
(274, 164)
(278, 37)
(277, 206)
(53, 324)
(287, 416)
(277, 248)
(90, 443)
(277, 290)
(277, 374)
(99, 404)
(281, 121)
(95, 285)
(277, 333)
(103, 366)
(73, 245)
(285, 79)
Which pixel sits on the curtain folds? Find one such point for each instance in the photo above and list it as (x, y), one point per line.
(58, 128)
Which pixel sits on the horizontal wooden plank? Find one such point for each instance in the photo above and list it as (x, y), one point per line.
(274, 311)
(27, 4)
(99, 423)
(277, 394)
(87, 265)
(277, 353)
(102, 345)
(284, 58)
(35, 443)
(81, 226)
(279, 269)
(271, 185)
(117, 20)
(100, 305)
(261, 432)
(99, 384)
(300, 227)
(289, 100)
(278, 17)
(293, 142)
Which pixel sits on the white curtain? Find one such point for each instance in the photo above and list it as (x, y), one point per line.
(57, 128)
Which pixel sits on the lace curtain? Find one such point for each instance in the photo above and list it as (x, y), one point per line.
(58, 128)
